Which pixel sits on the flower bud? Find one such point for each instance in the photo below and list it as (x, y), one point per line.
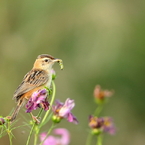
(96, 132)
(8, 118)
(56, 119)
(2, 121)
(53, 74)
(31, 122)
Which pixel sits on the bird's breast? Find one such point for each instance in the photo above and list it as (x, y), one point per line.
(48, 84)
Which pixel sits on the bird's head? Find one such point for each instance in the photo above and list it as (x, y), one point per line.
(45, 61)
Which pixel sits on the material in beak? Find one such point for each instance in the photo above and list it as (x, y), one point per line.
(60, 62)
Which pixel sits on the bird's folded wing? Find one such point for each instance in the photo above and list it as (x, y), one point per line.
(31, 80)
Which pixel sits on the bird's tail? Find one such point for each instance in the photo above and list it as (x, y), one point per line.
(16, 111)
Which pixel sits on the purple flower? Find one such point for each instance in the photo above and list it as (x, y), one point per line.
(108, 125)
(102, 124)
(63, 110)
(38, 99)
(95, 122)
(63, 139)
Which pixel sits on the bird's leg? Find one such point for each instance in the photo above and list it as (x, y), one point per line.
(35, 118)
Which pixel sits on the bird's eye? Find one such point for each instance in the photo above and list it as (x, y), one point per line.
(46, 60)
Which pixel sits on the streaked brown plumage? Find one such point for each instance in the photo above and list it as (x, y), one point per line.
(35, 79)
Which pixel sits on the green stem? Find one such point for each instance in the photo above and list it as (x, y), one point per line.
(9, 133)
(52, 100)
(30, 134)
(89, 139)
(99, 140)
(33, 127)
(1, 132)
(98, 110)
(40, 112)
(10, 138)
(35, 138)
(52, 126)
(37, 129)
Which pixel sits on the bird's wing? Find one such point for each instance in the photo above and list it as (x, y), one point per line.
(31, 80)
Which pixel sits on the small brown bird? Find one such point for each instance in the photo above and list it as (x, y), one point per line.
(37, 78)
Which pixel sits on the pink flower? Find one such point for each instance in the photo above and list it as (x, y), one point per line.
(63, 110)
(63, 139)
(38, 99)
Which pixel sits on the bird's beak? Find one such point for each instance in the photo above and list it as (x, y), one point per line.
(59, 61)
(56, 60)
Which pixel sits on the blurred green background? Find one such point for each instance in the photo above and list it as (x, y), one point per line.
(100, 42)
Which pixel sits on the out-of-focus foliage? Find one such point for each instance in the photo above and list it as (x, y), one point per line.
(100, 42)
